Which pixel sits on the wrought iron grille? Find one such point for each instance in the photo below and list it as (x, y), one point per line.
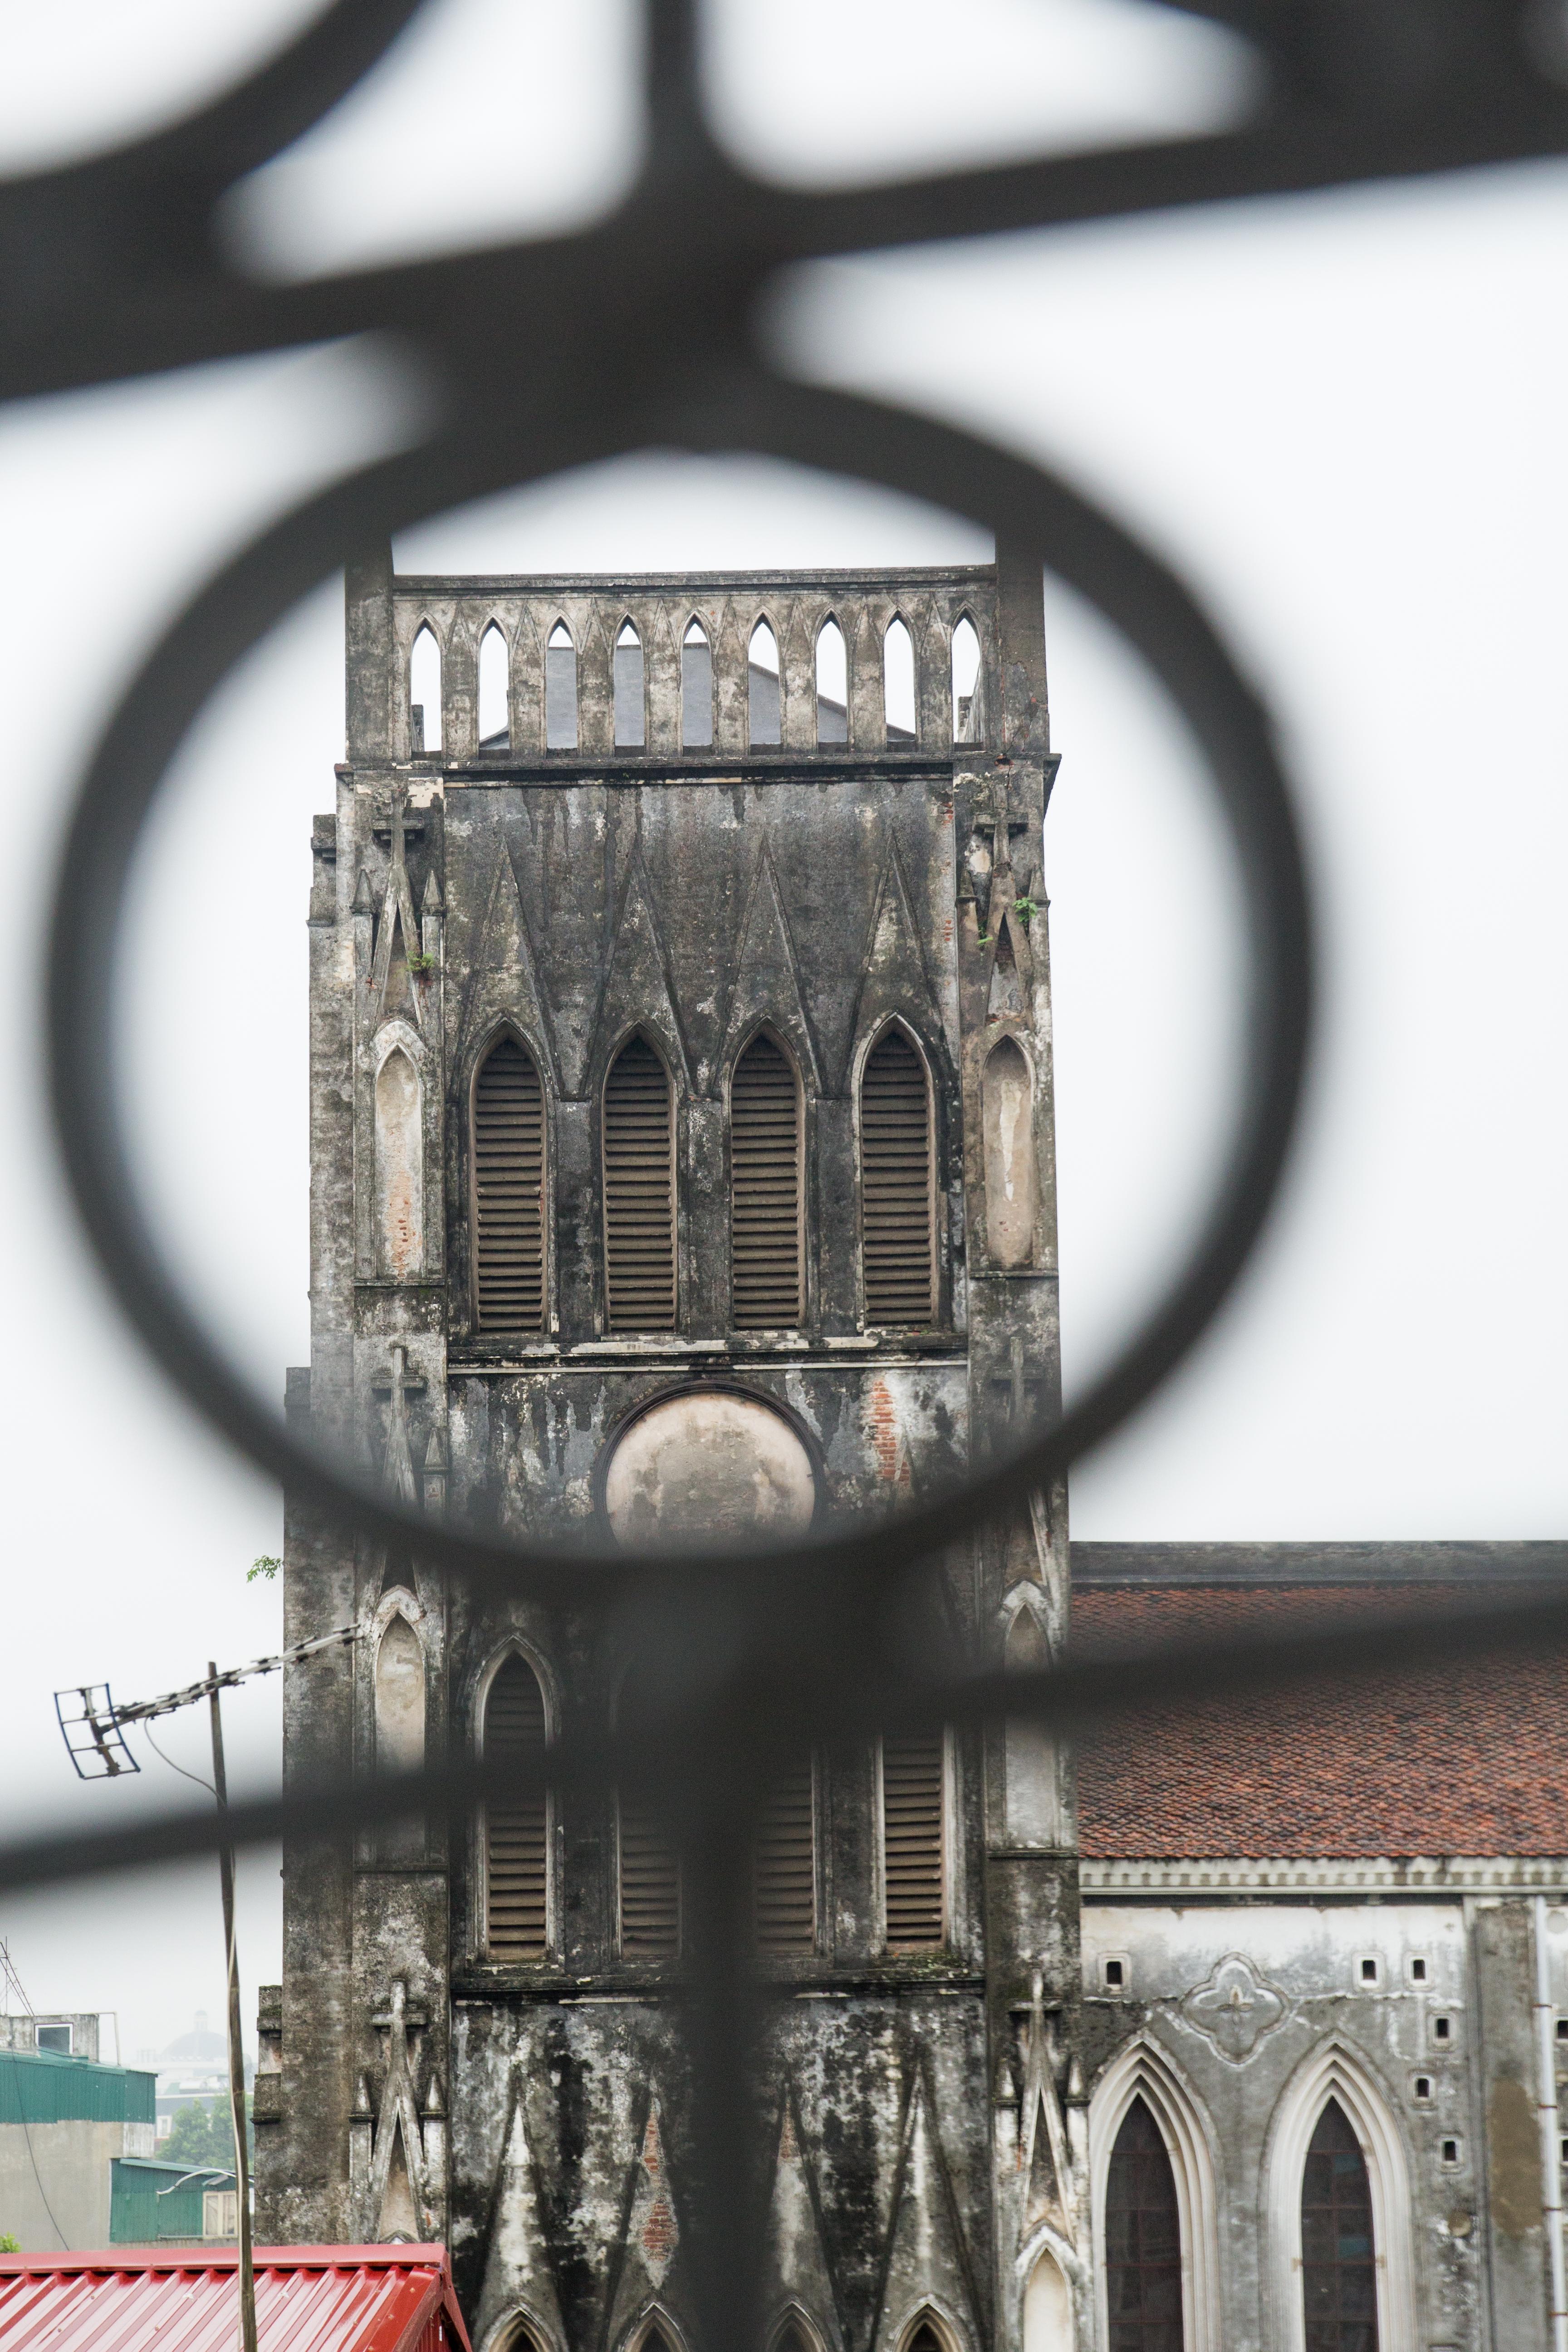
(638, 330)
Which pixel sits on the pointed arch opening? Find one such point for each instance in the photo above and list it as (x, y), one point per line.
(516, 1827)
(495, 691)
(424, 692)
(560, 690)
(647, 1862)
(399, 1168)
(765, 704)
(400, 1717)
(832, 684)
(898, 682)
(968, 697)
(1012, 1186)
(639, 1191)
(783, 1863)
(767, 1191)
(914, 1823)
(508, 1189)
(1141, 2076)
(925, 2336)
(631, 717)
(897, 1183)
(1339, 2212)
(695, 688)
(1048, 2307)
(1032, 1812)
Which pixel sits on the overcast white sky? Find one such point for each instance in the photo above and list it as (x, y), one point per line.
(1342, 415)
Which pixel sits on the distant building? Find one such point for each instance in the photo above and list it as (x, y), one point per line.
(64, 2033)
(193, 2068)
(154, 2203)
(65, 2123)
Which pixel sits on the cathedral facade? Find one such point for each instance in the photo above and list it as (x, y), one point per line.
(682, 1160)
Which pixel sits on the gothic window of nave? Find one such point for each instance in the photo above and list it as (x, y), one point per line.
(1142, 2240)
(1339, 2257)
(508, 1189)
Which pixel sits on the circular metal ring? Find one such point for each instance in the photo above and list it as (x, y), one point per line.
(743, 409)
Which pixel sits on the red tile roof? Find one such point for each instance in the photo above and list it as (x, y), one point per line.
(1467, 1757)
(307, 2299)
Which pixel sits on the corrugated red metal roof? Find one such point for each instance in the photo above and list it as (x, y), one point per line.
(307, 2299)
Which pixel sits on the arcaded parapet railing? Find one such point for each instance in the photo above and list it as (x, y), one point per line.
(459, 612)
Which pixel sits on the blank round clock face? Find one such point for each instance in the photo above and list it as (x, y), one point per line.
(709, 1470)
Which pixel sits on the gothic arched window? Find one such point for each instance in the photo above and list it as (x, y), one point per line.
(639, 1191)
(560, 690)
(767, 1232)
(509, 1191)
(899, 683)
(968, 695)
(425, 693)
(898, 1184)
(695, 688)
(399, 1168)
(631, 725)
(516, 1835)
(650, 1882)
(1142, 2240)
(1339, 2258)
(784, 1863)
(764, 703)
(832, 684)
(494, 692)
(914, 1840)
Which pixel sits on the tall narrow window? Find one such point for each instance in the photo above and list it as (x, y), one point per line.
(898, 1201)
(515, 1829)
(1012, 1203)
(639, 1191)
(914, 1822)
(425, 693)
(898, 682)
(509, 1191)
(649, 1884)
(764, 705)
(784, 1864)
(1339, 2259)
(695, 688)
(968, 715)
(1142, 2240)
(832, 685)
(560, 690)
(400, 1730)
(631, 727)
(495, 711)
(765, 1223)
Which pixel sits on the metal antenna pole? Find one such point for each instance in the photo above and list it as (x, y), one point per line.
(236, 2047)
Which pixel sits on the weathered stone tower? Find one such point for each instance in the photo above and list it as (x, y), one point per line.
(681, 1126)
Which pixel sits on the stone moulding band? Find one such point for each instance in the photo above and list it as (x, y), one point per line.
(1444, 1875)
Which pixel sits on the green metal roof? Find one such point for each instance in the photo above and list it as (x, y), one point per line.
(40, 2086)
(146, 2206)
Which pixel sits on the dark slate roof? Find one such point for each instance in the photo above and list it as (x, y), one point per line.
(1467, 1755)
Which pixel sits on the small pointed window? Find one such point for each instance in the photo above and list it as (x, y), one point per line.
(631, 725)
(509, 1191)
(560, 690)
(899, 683)
(399, 1170)
(696, 689)
(914, 1843)
(1144, 2239)
(832, 685)
(1339, 2256)
(516, 1845)
(400, 1730)
(765, 707)
(968, 715)
(897, 1202)
(495, 714)
(425, 693)
(639, 1191)
(784, 1864)
(766, 1227)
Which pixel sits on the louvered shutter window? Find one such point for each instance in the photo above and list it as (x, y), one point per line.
(766, 1189)
(914, 1810)
(509, 1191)
(516, 1836)
(650, 1886)
(897, 1193)
(639, 1191)
(786, 1864)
